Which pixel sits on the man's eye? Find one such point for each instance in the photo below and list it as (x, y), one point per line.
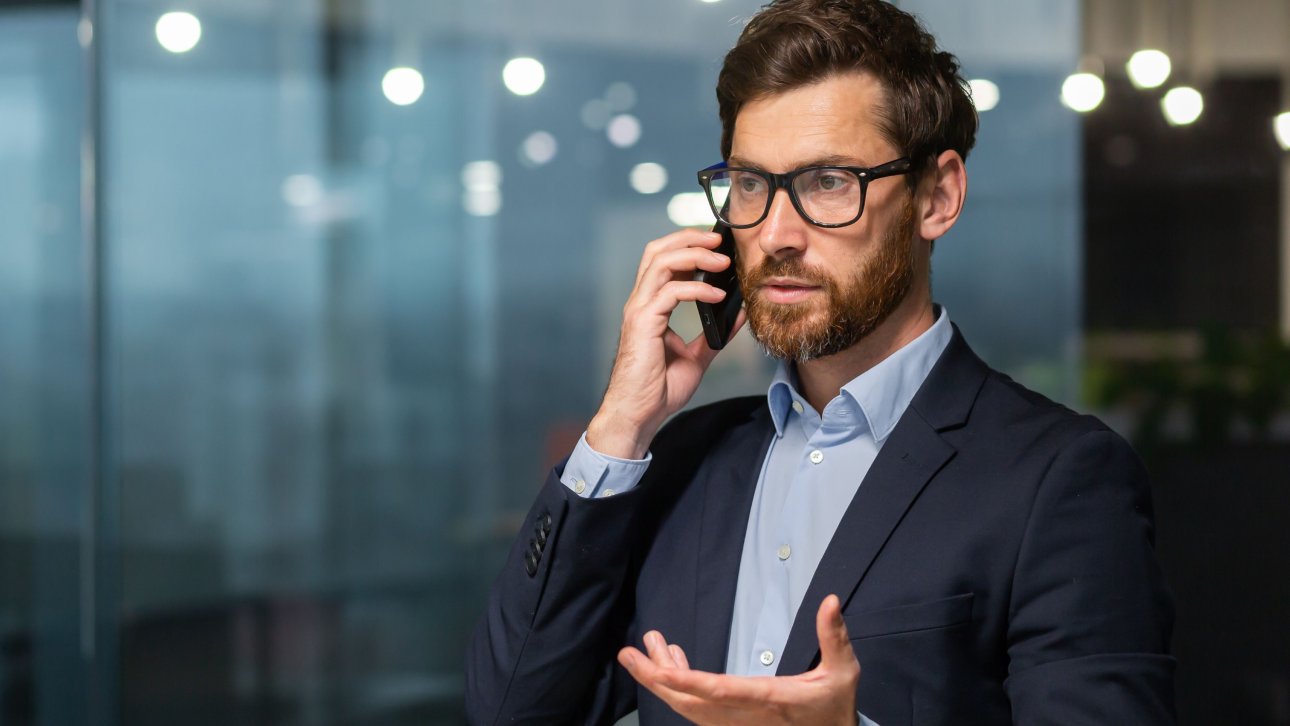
(830, 182)
(749, 184)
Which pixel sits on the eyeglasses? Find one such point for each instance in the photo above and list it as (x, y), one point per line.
(825, 196)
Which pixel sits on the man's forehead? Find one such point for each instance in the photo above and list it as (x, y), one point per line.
(836, 120)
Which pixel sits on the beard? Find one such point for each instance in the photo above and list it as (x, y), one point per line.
(849, 311)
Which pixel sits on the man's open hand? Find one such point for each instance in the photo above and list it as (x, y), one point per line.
(823, 696)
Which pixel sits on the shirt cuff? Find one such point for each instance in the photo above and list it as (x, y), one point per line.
(589, 473)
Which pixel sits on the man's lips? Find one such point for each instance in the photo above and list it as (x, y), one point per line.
(787, 290)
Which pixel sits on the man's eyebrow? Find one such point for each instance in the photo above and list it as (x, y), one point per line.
(829, 160)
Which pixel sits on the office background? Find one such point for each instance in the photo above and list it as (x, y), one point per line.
(299, 299)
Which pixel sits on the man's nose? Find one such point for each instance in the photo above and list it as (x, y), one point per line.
(783, 231)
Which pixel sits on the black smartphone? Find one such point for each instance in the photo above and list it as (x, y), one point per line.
(718, 319)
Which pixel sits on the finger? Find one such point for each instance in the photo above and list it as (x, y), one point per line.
(676, 240)
(658, 649)
(649, 675)
(680, 264)
(698, 350)
(678, 291)
(678, 655)
(835, 645)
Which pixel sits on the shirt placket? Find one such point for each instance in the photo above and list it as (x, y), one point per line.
(779, 605)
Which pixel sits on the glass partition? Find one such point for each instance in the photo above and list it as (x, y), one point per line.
(363, 273)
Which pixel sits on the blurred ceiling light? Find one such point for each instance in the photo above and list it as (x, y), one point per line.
(85, 32)
(1281, 127)
(648, 178)
(1083, 92)
(539, 148)
(690, 209)
(1182, 105)
(482, 202)
(403, 86)
(523, 76)
(985, 94)
(481, 175)
(711, 1)
(178, 32)
(624, 130)
(302, 190)
(1148, 68)
(620, 96)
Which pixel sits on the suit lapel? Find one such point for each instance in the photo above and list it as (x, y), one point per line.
(730, 481)
(911, 456)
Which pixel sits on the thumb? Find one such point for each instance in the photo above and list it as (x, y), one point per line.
(835, 646)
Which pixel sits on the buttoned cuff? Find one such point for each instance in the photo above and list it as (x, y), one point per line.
(589, 473)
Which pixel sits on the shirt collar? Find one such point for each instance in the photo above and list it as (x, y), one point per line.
(882, 393)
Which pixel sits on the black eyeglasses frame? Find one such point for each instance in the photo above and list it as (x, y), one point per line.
(785, 181)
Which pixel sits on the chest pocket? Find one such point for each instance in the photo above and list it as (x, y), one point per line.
(910, 618)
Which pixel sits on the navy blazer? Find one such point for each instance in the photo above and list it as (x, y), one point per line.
(995, 566)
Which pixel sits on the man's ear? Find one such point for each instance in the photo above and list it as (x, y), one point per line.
(942, 196)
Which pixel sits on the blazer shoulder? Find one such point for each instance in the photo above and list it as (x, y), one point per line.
(1034, 418)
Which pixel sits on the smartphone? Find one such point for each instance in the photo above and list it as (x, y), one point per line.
(718, 319)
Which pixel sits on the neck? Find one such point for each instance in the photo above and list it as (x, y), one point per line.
(822, 379)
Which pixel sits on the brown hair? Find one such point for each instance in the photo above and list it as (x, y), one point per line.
(794, 43)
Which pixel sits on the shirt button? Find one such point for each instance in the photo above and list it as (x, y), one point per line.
(817, 456)
(797, 406)
(784, 551)
(766, 657)
(579, 486)
(607, 493)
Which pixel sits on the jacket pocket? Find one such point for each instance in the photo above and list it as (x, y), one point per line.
(910, 618)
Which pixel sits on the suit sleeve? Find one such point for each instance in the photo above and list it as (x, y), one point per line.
(1090, 620)
(557, 615)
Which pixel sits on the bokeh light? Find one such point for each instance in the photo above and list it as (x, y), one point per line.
(1083, 92)
(624, 130)
(985, 93)
(1182, 105)
(524, 76)
(648, 177)
(178, 32)
(403, 86)
(1148, 68)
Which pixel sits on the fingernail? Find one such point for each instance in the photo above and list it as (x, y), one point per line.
(629, 659)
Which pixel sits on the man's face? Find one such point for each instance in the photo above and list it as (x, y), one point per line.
(812, 292)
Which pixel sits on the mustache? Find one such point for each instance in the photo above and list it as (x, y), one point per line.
(786, 267)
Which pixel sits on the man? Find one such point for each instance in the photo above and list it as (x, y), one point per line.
(893, 504)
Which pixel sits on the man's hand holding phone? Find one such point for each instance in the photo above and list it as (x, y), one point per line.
(656, 372)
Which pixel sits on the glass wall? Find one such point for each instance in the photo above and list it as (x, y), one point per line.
(46, 421)
(349, 315)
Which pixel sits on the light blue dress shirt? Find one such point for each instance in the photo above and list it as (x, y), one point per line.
(814, 466)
